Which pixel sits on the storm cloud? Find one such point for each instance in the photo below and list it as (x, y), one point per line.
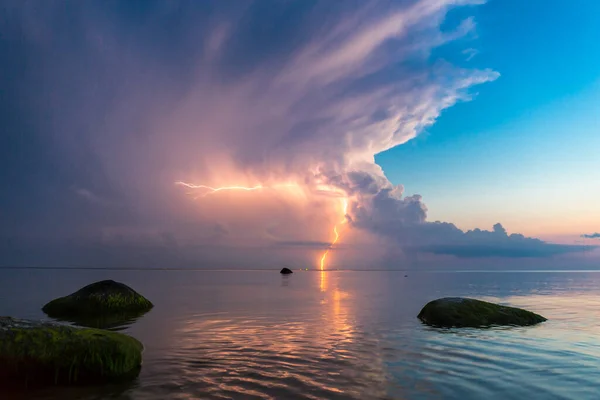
(106, 105)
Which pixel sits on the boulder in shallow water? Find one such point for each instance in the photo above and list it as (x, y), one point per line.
(286, 271)
(463, 312)
(100, 299)
(34, 353)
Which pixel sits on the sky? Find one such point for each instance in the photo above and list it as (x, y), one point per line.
(532, 135)
(225, 134)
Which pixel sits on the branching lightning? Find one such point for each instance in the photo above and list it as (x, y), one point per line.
(332, 190)
(211, 189)
(206, 190)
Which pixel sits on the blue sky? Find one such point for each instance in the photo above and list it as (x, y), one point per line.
(525, 151)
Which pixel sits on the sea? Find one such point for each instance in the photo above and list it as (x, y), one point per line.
(258, 334)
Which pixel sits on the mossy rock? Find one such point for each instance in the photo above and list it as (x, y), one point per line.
(460, 312)
(99, 304)
(34, 353)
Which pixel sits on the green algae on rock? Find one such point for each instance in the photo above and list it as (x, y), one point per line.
(38, 352)
(460, 312)
(104, 298)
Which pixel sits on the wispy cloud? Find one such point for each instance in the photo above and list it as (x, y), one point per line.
(470, 53)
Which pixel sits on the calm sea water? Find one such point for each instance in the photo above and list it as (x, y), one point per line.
(338, 335)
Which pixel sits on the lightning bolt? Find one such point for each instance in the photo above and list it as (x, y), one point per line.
(337, 235)
(323, 188)
(211, 190)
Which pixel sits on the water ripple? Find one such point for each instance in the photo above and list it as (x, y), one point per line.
(355, 336)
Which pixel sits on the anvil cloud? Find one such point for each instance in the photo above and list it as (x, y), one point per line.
(107, 104)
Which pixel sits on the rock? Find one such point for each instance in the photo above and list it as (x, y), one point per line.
(34, 353)
(462, 312)
(286, 271)
(99, 305)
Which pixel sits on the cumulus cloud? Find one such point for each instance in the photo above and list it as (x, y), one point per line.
(591, 236)
(122, 101)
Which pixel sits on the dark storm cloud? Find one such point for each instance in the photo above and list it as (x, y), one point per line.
(497, 243)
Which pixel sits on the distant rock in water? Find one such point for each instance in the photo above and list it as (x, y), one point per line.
(37, 353)
(105, 301)
(286, 271)
(462, 313)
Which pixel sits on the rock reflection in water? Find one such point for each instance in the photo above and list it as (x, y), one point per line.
(114, 322)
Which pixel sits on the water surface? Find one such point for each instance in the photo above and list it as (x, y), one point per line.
(337, 334)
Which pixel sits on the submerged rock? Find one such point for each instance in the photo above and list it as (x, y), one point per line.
(35, 353)
(286, 271)
(105, 301)
(462, 312)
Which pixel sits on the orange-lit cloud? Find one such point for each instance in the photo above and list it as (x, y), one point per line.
(319, 189)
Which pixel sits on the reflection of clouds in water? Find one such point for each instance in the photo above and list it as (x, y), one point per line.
(571, 309)
(345, 334)
(318, 355)
(374, 354)
(544, 359)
